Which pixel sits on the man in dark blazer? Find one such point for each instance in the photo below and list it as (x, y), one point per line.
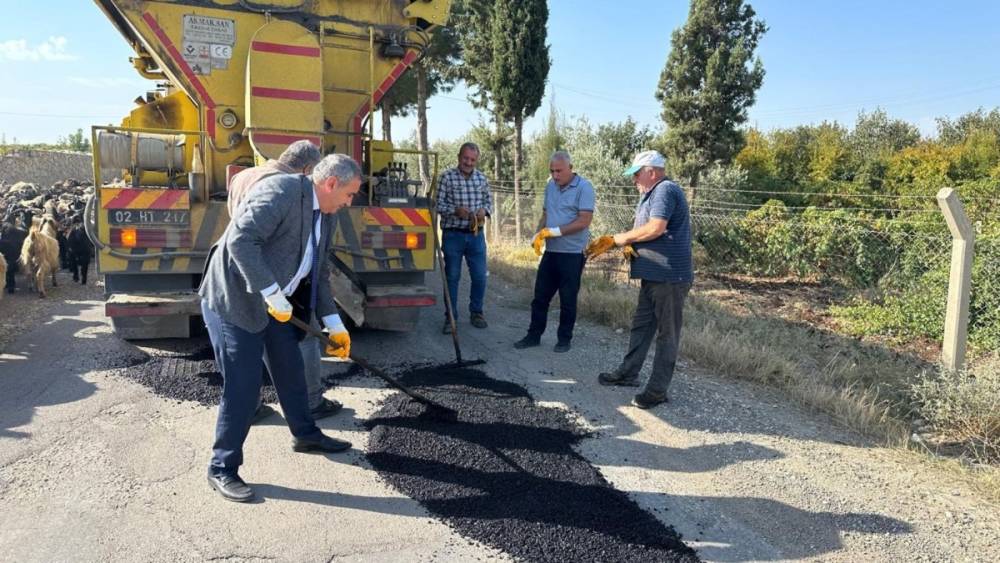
(270, 263)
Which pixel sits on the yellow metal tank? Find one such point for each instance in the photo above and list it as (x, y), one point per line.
(238, 82)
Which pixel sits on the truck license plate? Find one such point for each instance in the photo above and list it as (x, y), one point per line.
(149, 217)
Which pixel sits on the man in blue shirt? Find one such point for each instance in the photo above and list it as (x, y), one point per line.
(661, 239)
(564, 231)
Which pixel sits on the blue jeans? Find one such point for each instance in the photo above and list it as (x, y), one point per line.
(237, 354)
(456, 245)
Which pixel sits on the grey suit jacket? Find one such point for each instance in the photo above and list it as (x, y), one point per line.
(263, 245)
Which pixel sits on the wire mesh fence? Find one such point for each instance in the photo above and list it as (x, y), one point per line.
(892, 258)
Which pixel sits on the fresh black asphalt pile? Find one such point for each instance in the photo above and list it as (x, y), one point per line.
(188, 376)
(505, 474)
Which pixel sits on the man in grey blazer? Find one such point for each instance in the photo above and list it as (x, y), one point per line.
(270, 263)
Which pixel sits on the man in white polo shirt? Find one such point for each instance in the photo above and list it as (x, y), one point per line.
(564, 231)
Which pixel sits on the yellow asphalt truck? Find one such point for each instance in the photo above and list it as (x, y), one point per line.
(233, 83)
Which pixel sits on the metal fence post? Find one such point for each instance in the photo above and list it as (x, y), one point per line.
(956, 321)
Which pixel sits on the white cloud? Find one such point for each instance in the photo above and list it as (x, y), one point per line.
(52, 49)
(103, 83)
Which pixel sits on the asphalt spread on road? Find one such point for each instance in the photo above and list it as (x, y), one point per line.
(506, 475)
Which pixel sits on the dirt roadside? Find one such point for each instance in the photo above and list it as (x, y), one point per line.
(117, 473)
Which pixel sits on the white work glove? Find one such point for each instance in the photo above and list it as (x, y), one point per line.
(278, 306)
(339, 344)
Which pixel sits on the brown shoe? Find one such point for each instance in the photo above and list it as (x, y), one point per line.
(478, 320)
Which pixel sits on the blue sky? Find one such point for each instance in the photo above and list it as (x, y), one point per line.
(63, 66)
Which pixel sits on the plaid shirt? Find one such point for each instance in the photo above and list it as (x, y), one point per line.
(456, 190)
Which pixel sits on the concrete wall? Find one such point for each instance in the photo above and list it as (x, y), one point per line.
(46, 167)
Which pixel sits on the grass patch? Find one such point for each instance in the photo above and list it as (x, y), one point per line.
(866, 386)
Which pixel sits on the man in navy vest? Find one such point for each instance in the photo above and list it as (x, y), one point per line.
(661, 240)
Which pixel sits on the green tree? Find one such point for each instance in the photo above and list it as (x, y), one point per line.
(74, 142)
(508, 64)
(625, 139)
(519, 69)
(830, 153)
(873, 141)
(540, 149)
(710, 79)
(431, 74)
(473, 25)
(957, 131)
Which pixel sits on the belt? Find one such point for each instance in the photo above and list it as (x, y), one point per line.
(457, 230)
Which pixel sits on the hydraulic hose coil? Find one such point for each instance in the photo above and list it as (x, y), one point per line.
(144, 151)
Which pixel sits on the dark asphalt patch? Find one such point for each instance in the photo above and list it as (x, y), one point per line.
(506, 474)
(189, 375)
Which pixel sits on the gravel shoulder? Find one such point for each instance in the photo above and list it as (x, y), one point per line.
(96, 467)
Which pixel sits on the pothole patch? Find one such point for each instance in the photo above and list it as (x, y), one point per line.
(506, 475)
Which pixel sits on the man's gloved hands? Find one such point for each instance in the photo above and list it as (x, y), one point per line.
(539, 240)
(599, 246)
(339, 345)
(278, 306)
(629, 253)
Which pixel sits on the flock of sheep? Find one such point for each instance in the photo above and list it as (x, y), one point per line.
(42, 231)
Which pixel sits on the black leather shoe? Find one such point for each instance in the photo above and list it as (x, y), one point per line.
(647, 400)
(231, 487)
(561, 347)
(527, 342)
(326, 408)
(322, 443)
(615, 378)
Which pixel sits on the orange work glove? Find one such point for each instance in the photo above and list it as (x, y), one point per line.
(278, 306)
(339, 344)
(599, 246)
(629, 253)
(539, 241)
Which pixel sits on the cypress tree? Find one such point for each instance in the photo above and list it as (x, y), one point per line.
(710, 80)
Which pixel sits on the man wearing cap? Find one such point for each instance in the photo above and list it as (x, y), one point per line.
(661, 238)
(564, 231)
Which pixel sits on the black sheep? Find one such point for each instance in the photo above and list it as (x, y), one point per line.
(11, 240)
(79, 252)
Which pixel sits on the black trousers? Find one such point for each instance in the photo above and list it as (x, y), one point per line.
(558, 271)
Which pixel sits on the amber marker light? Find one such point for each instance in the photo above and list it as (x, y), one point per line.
(412, 241)
(129, 238)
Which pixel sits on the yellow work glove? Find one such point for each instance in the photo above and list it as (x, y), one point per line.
(474, 224)
(279, 307)
(599, 246)
(539, 240)
(339, 340)
(629, 253)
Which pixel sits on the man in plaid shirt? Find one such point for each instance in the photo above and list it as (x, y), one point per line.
(463, 202)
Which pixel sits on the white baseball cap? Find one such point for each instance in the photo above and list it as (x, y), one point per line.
(646, 158)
